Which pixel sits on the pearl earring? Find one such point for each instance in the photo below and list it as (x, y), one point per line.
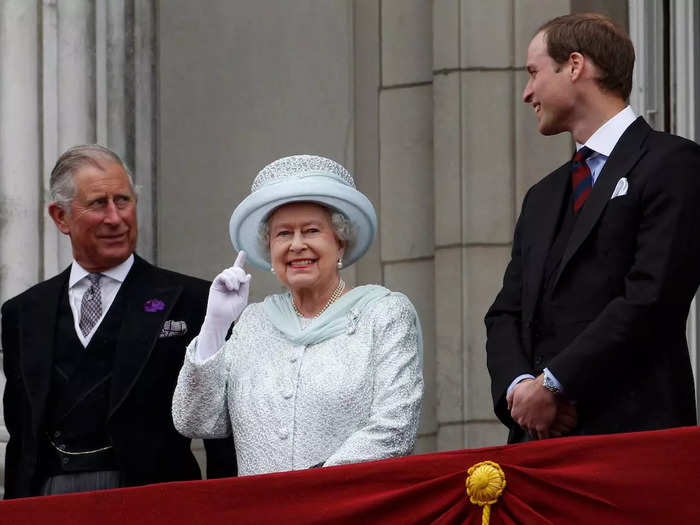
(272, 269)
(340, 263)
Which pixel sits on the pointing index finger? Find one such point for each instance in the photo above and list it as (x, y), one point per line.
(240, 260)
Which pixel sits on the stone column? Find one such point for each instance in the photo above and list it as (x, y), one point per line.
(118, 66)
(56, 248)
(76, 102)
(487, 154)
(142, 92)
(20, 176)
(366, 63)
(76, 72)
(55, 93)
(19, 153)
(405, 175)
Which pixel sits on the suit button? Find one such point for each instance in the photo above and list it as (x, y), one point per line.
(538, 360)
(66, 461)
(57, 434)
(287, 394)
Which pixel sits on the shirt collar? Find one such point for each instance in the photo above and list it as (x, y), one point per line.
(118, 272)
(606, 136)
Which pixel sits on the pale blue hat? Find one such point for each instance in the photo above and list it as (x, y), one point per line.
(302, 178)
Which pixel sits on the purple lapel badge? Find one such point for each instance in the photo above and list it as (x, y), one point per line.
(153, 305)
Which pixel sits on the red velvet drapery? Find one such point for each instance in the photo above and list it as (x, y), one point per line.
(645, 477)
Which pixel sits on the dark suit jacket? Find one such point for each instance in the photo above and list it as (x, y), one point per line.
(146, 444)
(621, 293)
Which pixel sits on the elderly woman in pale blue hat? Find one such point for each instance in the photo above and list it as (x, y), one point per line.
(320, 375)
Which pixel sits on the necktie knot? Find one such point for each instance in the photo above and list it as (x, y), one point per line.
(94, 278)
(582, 154)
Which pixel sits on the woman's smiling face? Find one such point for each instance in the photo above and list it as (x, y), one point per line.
(304, 249)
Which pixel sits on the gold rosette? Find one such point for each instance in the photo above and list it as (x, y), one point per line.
(485, 484)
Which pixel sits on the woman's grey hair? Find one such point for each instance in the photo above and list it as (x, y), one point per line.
(61, 184)
(342, 227)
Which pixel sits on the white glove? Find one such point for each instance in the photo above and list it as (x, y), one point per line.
(228, 297)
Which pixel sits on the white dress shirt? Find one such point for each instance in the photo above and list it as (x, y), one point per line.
(110, 283)
(605, 138)
(602, 142)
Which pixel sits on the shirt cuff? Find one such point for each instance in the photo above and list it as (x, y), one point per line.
(517, 380)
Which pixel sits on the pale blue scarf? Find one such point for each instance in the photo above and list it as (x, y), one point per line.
(340, 317)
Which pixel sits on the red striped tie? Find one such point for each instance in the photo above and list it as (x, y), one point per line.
(581, 178)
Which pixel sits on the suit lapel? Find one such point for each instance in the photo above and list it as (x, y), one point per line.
(38, 328)
(623, 158)
(140, 328)
(549, 205)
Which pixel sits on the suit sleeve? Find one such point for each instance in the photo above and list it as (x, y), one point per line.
(505, 356)
(658, 287)
(11, 398)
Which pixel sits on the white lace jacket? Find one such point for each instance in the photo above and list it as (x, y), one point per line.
(355, 397)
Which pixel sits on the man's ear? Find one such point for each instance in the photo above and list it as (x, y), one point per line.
(58, 214)
(575, 65)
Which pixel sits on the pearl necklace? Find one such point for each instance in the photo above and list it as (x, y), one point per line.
(334, 297)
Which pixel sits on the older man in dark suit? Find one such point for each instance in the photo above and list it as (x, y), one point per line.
(92, 355)
(587, 335)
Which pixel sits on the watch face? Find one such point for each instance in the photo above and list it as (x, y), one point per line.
(549, 385)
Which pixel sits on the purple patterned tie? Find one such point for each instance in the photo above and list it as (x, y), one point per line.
(581, 177)
(91, 305)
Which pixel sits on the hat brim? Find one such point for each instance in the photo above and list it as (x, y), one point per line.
(256, 208)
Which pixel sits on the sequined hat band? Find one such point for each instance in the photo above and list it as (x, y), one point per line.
(298, 166)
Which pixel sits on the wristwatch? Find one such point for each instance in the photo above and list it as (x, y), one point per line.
(548, 384)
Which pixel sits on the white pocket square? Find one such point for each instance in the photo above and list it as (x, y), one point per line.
(173, 329)
(621, 188)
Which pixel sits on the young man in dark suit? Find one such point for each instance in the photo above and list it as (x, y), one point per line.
(92, 356)
(587, 335)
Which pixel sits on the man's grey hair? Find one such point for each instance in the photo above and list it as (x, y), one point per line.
(342, 227)
(61, 184)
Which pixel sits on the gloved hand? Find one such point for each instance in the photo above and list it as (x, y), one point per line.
(228, 297)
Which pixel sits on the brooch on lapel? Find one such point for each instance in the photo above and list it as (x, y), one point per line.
(173, 329)
(153, 305)
(351, 321)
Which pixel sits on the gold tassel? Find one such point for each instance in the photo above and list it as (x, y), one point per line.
(485, 484)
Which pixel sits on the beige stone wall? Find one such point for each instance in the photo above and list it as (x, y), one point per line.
(242, 84)
(420, 98)
(448, 150)
(487, 153)
(405, 174)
